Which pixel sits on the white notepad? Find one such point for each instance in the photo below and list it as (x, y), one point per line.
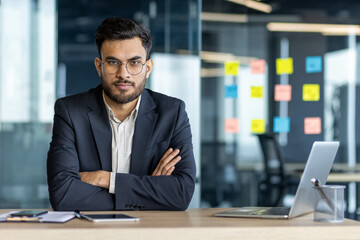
(50, 217)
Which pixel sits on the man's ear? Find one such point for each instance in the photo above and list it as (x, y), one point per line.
(97, 63)
(149, 67)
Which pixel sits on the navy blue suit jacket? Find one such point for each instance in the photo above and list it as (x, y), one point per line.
(81, 142)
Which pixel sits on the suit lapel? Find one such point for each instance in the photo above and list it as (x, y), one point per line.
(101, 129)
(144, 126)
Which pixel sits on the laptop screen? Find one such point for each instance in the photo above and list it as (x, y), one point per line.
(318, 166)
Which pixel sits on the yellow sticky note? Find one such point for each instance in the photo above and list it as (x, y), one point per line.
(258, 125)
(231, 68)
(256, 92)
(284, 66)
(311, 92)
(232, 125)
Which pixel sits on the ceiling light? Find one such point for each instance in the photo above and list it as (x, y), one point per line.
(220, 57)
(325, 29)
(262, 7)
(224, 17)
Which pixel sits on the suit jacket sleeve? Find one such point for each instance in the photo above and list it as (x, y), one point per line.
(66, 190)
(172, 192)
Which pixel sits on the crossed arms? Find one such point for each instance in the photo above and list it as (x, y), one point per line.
(73, 164)
(166, 167)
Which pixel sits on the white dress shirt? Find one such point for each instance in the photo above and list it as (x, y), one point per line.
(122, 139)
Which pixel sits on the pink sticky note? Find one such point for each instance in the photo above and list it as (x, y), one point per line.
(232, 125)
(312, 125)
(282, 92)
(258, 66)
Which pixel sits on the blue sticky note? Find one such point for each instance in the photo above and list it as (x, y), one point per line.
(281, 124)
(231, 91)
(313, 64)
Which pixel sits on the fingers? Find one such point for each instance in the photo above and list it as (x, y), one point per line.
(170, 171)
(166, 154)
(169, 166)
(82, 175)
(158, 166)
(167, 163)
(98, 178)
(85, 177)
(169, 158)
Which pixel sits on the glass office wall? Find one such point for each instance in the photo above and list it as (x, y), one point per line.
(283, 68)
(30, 60)
(47, 50)
(27, 94)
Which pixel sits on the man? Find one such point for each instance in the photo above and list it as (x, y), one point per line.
(120, 146)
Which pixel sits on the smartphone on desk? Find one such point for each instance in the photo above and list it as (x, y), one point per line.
(28, 213)
(110, 218)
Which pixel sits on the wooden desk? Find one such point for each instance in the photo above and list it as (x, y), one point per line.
(191, 224)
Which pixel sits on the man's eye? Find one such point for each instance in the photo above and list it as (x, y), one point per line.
(113, 62)
(135, 62)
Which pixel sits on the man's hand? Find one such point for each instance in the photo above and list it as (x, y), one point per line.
(98, 178)
(167, 163)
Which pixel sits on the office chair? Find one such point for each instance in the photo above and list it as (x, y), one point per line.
(271, 188)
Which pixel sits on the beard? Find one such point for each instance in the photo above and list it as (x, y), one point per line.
(122, 97)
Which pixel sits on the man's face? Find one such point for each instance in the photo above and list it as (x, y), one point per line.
(121, 86)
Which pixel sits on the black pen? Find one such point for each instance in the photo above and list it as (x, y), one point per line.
(317, 186)
(79, 215)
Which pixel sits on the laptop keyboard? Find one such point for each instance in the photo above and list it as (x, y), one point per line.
(273, 211)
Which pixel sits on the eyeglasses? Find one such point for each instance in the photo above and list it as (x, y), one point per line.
(134, 67)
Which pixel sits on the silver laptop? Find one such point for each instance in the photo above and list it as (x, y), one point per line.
(318, 165)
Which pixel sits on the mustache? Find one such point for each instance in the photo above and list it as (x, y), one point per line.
(124, 81)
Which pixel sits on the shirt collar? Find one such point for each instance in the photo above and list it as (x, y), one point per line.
(133, 114)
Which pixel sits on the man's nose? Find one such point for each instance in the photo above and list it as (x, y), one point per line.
(122, 71)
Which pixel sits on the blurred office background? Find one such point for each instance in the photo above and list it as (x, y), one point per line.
(47, 49)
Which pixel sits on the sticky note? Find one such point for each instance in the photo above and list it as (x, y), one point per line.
(256, 92)
(231, 68)
(231, 125)
(258, 66)
(311, 92)
(231, 91)
(313, 64)
(282, 92)
(284, 66)
(312, 125)
(258, 125)
(281, 124)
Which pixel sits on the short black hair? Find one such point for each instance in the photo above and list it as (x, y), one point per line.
(118, 28)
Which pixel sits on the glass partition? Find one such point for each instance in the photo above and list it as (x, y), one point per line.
(282, 68)
(27, 94)
(47, 50)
